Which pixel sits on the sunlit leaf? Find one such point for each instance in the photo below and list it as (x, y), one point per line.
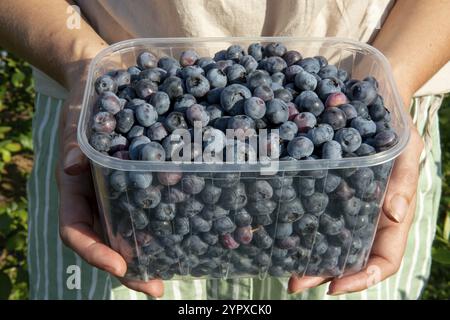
(13, 147)
(441, 255)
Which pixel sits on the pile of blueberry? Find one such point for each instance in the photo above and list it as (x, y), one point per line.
(219, 224)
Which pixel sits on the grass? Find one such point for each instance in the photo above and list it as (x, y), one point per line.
(16, 110)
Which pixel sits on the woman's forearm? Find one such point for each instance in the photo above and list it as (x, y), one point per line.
(37, 31)
(416, 40)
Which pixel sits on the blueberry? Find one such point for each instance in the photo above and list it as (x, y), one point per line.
(192, 184)
(249, 63)
(261, 123)
(321, 134)
(118, 180)
(300, 147)
(349, 139)
(349, 110)
(146, 115)
(361, 109)
(290, 211)
(316, 203)
(331, 150)
(284, 194)
(377, 112)
(211, 212)
(328, 71)
(320, 247)
(361, 179)
(259, 190)
(181, 225)
(385, 139)
(188, 58)
(136, 146)
(366, 128)
(258, 78)
(263, 92)
(308, 224)
(145, 88)
(140, 180)
(105, 84)
(305, 81)
(234, 198)
(197, 85)
(197, 113)
(365, 150)
(277, 111)
(168, 63)
(173, 86)
(276, 271)
(263, 207)
(220, 55)
(228, 242)
(146, 198)
(310, 102)
(288, 130)
(284, 95)
(194, 245)
(146, 60)
(164, 211)
(232, 97)
(336, 99)
(243, 235)
(241, 122)
(100, 141)
(329, 183)
(160, 101)
(125, 121)
(273, 64)
(109, 102)
(280, 181)
(157, 132)
(217, 78)
(169, 178)
(175, 120)
(152, 74)
(261, 238)
(135, 131)
(127, 93)
(198, 224)
(363, 91)
(226, 179)
(275, 49)
(291, 57)
(327, 86)
(152, 151)
(305, 121)
(278, 78)
(291, 72)
(104, 122)
(262, 220)
(331, 226)
(310, 65)
(215, 112)
(306, 186)
(209, 238)
(242, 218)
(335, 117)
(190, 207)
(256, 50)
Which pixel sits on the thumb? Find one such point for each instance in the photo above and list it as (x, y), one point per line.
(74, 161)
(403, 181)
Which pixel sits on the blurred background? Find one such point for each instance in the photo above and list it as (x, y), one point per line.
(16, 162)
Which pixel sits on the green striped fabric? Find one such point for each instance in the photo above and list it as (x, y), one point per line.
(49, 259)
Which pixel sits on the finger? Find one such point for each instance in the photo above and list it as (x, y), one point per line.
(73, 159)
(384, 260)
(154, 288)
(299, 284)
(76, 226)
(403, 180)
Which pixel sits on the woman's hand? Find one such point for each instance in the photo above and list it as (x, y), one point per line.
(78, 217)
(393, 228)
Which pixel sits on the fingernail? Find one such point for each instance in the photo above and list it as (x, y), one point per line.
(72, 160)
(399, 208)
(336, 293)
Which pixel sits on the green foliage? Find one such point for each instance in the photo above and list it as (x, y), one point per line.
(16, 110)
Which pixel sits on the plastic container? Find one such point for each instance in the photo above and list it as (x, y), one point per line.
(337, 226)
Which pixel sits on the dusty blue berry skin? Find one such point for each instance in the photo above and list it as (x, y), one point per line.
(278, 78)
(305, 81)
(255, 108)
(349, 139)
(124, 120)
(198, 86)
(310, 65)
(173, 86)
(175, 120)
(152, 151)
(264, 92)
(188, 58)
(284, 95)
(363, 91)
(236, 74)
(160, 101)
(321, 134)
(235, 52)
(300, 147)
(309, 101)
(135, 131)
(146, 115)
(291, 71)
(232, 97)
(217, 78)
(157, 132)
(109, 102)
(152, 74)
(328, 71)
(258, 78)
(190, 71)
(104, 122)
(256, 50)
(327, 86)
(365, 127)
(277, 111)
(288, 130)
(105, 84)
(146, 60)
(385, 139)
(331, 150)
(249, 63)
(273, 64)
(145, 88)
(335, 117)
(100, 141)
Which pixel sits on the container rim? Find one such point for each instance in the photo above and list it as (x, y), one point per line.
(289, 165)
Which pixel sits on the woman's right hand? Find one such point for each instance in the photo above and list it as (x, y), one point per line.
(79, 223)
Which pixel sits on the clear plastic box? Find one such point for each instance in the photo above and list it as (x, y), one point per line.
(329, 245)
